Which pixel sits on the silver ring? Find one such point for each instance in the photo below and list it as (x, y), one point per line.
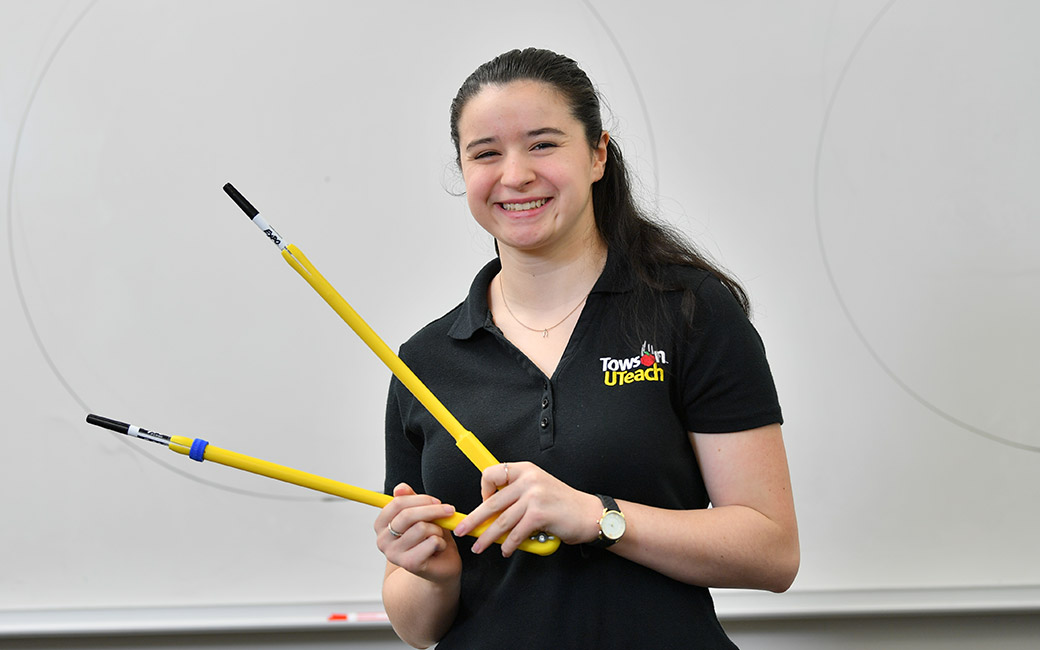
(506, 465)
(392, 531)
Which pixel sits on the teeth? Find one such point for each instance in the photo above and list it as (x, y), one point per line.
(530, 205)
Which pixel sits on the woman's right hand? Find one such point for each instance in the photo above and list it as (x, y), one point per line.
(422, 547)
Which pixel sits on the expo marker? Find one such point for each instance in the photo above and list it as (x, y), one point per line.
(129, 429)
(200, 450)
(474, 450)
(254, 216)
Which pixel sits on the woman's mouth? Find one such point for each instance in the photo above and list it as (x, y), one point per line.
(521, 207)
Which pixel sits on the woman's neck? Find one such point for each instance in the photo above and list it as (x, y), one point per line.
(537, 300)
(538, 283)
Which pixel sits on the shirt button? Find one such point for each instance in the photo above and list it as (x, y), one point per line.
(545, 422)
(545, 402)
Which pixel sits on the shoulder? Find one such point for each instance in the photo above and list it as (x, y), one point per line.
(711, 296)
(432, 333)
(689, 278)
(459, 324)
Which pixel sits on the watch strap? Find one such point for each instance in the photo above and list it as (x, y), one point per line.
(609, 505)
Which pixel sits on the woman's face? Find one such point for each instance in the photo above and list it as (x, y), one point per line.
(528, 167)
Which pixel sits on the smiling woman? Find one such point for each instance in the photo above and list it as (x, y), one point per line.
(529, 170)
(619, 461)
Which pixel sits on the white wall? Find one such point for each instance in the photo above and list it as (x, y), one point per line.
(866, 168)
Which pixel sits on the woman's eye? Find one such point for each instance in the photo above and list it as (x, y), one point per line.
(485, 154)
(544, 145)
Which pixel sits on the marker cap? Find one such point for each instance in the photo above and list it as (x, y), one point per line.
(246, 206)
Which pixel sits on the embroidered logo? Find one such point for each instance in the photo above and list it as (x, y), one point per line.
(644, 367)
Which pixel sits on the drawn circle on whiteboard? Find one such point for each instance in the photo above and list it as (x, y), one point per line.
(925, 209)
(117, 290)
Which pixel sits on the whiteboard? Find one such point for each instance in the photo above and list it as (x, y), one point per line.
(866, 169)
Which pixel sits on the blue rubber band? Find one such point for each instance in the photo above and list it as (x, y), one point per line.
(198, 450)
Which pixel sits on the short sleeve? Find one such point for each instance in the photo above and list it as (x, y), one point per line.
(727, 384)
(403, 448)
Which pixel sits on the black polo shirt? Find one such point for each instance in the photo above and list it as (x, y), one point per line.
(613, 419)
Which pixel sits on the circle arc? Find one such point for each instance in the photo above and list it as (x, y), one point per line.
(916, 396)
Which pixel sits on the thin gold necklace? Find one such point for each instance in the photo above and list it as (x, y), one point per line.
(543, 330)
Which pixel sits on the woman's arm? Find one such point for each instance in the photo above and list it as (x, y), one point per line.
(748, 539)
(420, 611)
(423, 569)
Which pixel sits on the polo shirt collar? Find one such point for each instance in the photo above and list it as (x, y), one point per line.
(475, 314)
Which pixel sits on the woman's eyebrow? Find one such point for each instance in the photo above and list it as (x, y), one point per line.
(481, 141)
(545, 130)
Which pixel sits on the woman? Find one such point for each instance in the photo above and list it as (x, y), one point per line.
(615, 370)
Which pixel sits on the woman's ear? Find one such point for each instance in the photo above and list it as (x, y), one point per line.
(599, 157)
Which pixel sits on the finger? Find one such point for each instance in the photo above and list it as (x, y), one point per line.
(405, 490)
(494, 503)
(406, 497)
(399, 505)
(520, 531)
(405, 500)
(494, 478)
(412, 517)
(401, 550)
(395, 505)
(416, 559)
(500, 526)
(413, 556)
(409, 536)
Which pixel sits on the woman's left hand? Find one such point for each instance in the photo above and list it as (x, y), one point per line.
(529, 500)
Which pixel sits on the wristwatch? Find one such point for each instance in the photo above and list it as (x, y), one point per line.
(611, 524)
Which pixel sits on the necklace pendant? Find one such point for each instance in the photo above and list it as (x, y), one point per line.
(545, 334)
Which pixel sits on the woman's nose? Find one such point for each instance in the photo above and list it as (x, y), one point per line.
(517, 172)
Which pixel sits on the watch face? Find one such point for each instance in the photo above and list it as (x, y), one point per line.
(612, 524)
